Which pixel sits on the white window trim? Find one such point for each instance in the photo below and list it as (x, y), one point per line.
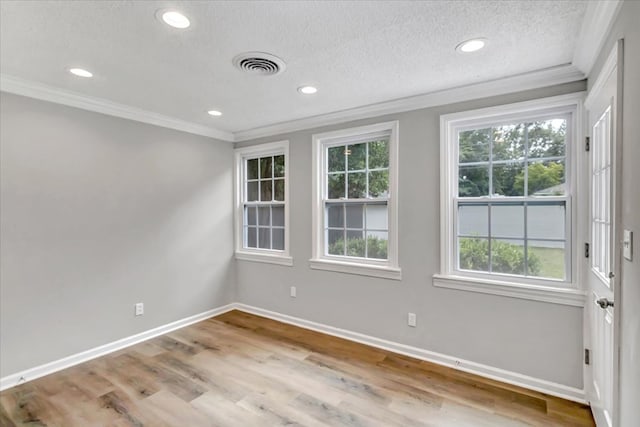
(546, 290)
(260, 255)
(387, 269)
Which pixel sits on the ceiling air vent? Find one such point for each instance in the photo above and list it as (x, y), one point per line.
(259, 63)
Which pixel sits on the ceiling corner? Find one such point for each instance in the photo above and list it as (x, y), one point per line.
(597, 23)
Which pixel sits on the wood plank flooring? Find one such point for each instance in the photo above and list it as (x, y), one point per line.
(243, 370)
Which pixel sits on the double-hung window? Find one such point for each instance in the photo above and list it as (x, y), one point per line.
(507, 194)
(262, 213)
(355, 227)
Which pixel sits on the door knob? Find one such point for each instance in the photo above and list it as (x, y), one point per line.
(604, 303)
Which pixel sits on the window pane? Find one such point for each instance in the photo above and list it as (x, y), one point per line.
(336, 186)
(355, 216)
(474, 145)
(547, 138)
(377, 242)
(546, 178)
(251, 237)
(335, 216)
(378, 154)
(265, 167)
(278, 166)
(377, 217)
(252, 169)
(252, 191)
(266, 191)
(336, 242)
(546, 221)
(357, 185)
(508, 179)
(473, 181)
(379, 183)
(251, 215)
(546, 259)
(278, 239)
(473, 254)
(357, 156)
(279, 189)
(355, 243)
(264, 215)
(473, 220)
(277, 213)
(336, 158)
(507, 221)
(507, 256)
(264, 238)
(508, 142)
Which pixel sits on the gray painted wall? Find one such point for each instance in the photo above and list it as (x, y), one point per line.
(98, 213)
(533, 338)
(626, 26)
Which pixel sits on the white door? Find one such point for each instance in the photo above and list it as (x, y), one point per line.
(602, 113)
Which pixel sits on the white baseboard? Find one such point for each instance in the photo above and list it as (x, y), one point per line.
(543, 386)
(75, 359)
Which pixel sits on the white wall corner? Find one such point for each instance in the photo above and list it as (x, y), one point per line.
(596, 24)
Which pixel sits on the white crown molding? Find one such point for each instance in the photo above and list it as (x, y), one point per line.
(509, 377)
(610, 65)
(75, 359)
(596, 24)
(44, 92)
(533, 80)
(521, 82)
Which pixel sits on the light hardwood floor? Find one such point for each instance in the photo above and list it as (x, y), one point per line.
(243, 370)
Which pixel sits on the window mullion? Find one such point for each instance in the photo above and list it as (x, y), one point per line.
(526, 194)
(491, 164)
(489, 245)
(346, 174)
(489, 206)
(526, 238)
(344, 229)
(526, 160)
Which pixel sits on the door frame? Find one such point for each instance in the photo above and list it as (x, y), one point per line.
(613, 61)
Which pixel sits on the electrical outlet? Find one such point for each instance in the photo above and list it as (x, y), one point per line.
(139, 309)
(411, 320)
(293, 292)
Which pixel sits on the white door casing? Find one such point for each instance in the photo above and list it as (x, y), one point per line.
(602, 267)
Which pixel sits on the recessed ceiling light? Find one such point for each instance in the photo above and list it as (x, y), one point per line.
(215, 113)
(307, 90)
(471, 45)
(80, 72)
(174, 19)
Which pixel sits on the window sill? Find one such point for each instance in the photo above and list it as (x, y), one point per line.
(564, 296)
(266, 258)
(383, 272)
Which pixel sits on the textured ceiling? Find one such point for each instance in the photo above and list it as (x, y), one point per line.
(356, 53)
